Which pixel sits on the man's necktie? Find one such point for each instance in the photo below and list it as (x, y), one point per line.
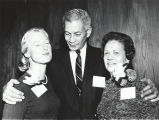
(78, 72)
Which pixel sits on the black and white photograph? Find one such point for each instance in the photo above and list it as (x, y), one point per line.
(79, 59)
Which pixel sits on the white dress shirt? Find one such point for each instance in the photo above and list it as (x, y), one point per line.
(73, 56)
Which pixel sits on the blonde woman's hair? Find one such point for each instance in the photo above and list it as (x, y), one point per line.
(25, 43)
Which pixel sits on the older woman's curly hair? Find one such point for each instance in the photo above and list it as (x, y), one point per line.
(122, 38)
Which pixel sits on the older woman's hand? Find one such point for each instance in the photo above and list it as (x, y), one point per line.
(150, 92)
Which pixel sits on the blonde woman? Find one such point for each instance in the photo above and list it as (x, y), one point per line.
(40, 100)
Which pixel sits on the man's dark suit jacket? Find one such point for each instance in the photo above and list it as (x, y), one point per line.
(61, 74)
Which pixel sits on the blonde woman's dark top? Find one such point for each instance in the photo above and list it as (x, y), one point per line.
(32, 107)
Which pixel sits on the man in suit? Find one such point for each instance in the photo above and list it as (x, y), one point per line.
(77, 103)
(72, 70)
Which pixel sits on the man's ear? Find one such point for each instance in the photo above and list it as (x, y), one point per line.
(89, 31)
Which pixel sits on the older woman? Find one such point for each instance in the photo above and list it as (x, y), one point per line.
(121, 97)
(40, 100)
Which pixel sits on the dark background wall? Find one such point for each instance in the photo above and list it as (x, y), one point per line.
(137, 18)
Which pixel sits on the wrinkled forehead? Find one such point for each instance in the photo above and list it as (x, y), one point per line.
(74, 26)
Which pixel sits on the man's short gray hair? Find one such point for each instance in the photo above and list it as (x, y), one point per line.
(77, 14)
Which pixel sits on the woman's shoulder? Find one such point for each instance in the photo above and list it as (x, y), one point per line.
(22, 86)
(112, 106)
(147, 109)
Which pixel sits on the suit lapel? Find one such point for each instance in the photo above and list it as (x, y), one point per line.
(70, 85)
(68, 68)
(89, 63)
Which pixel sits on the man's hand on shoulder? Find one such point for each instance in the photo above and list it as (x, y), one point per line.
(10, 94)
(150, 92)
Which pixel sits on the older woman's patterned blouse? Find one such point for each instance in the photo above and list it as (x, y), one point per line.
(111, 107)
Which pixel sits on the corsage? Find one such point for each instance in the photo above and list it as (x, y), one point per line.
(122, 75)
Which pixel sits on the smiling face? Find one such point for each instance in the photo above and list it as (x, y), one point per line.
(39, 48)
(114, 55)
(76, 34)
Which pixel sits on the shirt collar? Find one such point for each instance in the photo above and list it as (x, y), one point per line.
(84, 48)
